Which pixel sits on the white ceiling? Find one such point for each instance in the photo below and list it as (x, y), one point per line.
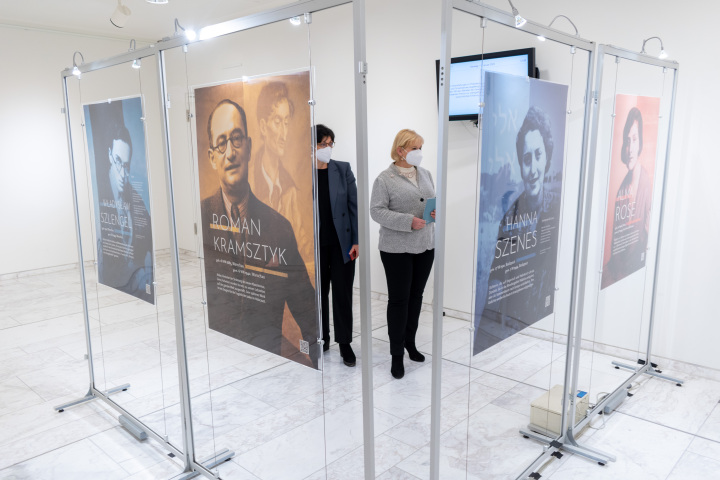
(147, 22)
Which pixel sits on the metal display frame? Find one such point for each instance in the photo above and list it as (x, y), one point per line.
(647, 367)
(565, 441)
(192, 466)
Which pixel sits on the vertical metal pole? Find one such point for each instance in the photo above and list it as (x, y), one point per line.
(363, 188)
(441, 221)
(184, 384)
(582, 239)
(662, 217)
(78, 234)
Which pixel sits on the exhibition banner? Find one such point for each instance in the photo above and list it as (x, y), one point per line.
(632, 167)
(521, 173)
(255, 150)
(121, 196)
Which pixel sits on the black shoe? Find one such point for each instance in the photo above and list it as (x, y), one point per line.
(397, 369)
(326, 346)
(347, 354)
(413, 353)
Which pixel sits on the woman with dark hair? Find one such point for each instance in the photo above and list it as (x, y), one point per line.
(631, 217)
(337, 211)
(521, 279)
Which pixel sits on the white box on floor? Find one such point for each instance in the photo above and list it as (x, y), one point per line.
(545, 411)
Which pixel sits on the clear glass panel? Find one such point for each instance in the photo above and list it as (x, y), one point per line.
(257, 372)
(521, 300)
(121, 197)
(632, 139)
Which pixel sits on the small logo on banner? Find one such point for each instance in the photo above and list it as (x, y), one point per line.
(147, 288)
(547, 301)
(304, 347)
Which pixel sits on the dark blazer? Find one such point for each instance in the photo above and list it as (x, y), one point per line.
(251, 274)
(343, 203)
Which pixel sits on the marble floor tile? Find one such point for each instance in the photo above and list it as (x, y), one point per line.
(495, 450)
(519, 398)
(15, 394)
(224, 409)
(692, 465)
(685, 408)
(264, 429)
(297, 461)
(388, 452)
(711, 428)
(77, 460)
(397, 474)
(530, 361)
(704, 447)
(53, 438)
(131, 454)
(415, 431)
(644, 450)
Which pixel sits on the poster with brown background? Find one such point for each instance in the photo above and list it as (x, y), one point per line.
(254, 147)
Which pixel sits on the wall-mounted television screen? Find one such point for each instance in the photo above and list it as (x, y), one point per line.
(466, 89)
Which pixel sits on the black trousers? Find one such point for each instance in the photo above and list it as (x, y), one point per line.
(342, 275)
(406, 274)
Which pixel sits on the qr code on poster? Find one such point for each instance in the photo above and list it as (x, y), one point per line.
(304, 347)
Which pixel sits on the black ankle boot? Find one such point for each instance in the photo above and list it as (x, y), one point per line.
(413, 353)
(397, 369)
(347, 354)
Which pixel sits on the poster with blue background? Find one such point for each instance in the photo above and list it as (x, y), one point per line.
(121, 196)
(521, 176)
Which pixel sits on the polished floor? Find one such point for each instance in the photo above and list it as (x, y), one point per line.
(286, 421)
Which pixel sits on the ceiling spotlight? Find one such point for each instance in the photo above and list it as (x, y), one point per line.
(120, 15)
(577, 34)
(157, 2)
(662, 55)
(189, 33)
(296, 20)
(519, 21)
(75, 69)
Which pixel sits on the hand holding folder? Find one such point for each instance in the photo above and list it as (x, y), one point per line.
(429, 207)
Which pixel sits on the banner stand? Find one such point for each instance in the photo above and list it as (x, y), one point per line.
(565, 441)
(647, 366)
(192, 466)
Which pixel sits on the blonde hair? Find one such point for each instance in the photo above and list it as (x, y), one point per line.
(404, 138)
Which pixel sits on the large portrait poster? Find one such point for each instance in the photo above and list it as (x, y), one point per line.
(521, 176)
(121, 196)
(632, 167)
(255, 174)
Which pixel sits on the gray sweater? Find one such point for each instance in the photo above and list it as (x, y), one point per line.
(395, 201)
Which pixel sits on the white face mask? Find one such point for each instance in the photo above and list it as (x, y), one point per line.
(414, 158)
(324, 154)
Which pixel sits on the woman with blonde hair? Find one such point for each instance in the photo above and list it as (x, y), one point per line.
(406, 243)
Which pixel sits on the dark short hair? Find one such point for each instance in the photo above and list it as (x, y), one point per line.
(221, 103)
(270, 95)
(321, 131)
(120, 132)
(538, 120)
(634, 115)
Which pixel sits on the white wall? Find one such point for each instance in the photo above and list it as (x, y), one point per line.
(37, 214)
(403, 41)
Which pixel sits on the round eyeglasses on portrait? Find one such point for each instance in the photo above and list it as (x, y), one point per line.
(238, 140)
